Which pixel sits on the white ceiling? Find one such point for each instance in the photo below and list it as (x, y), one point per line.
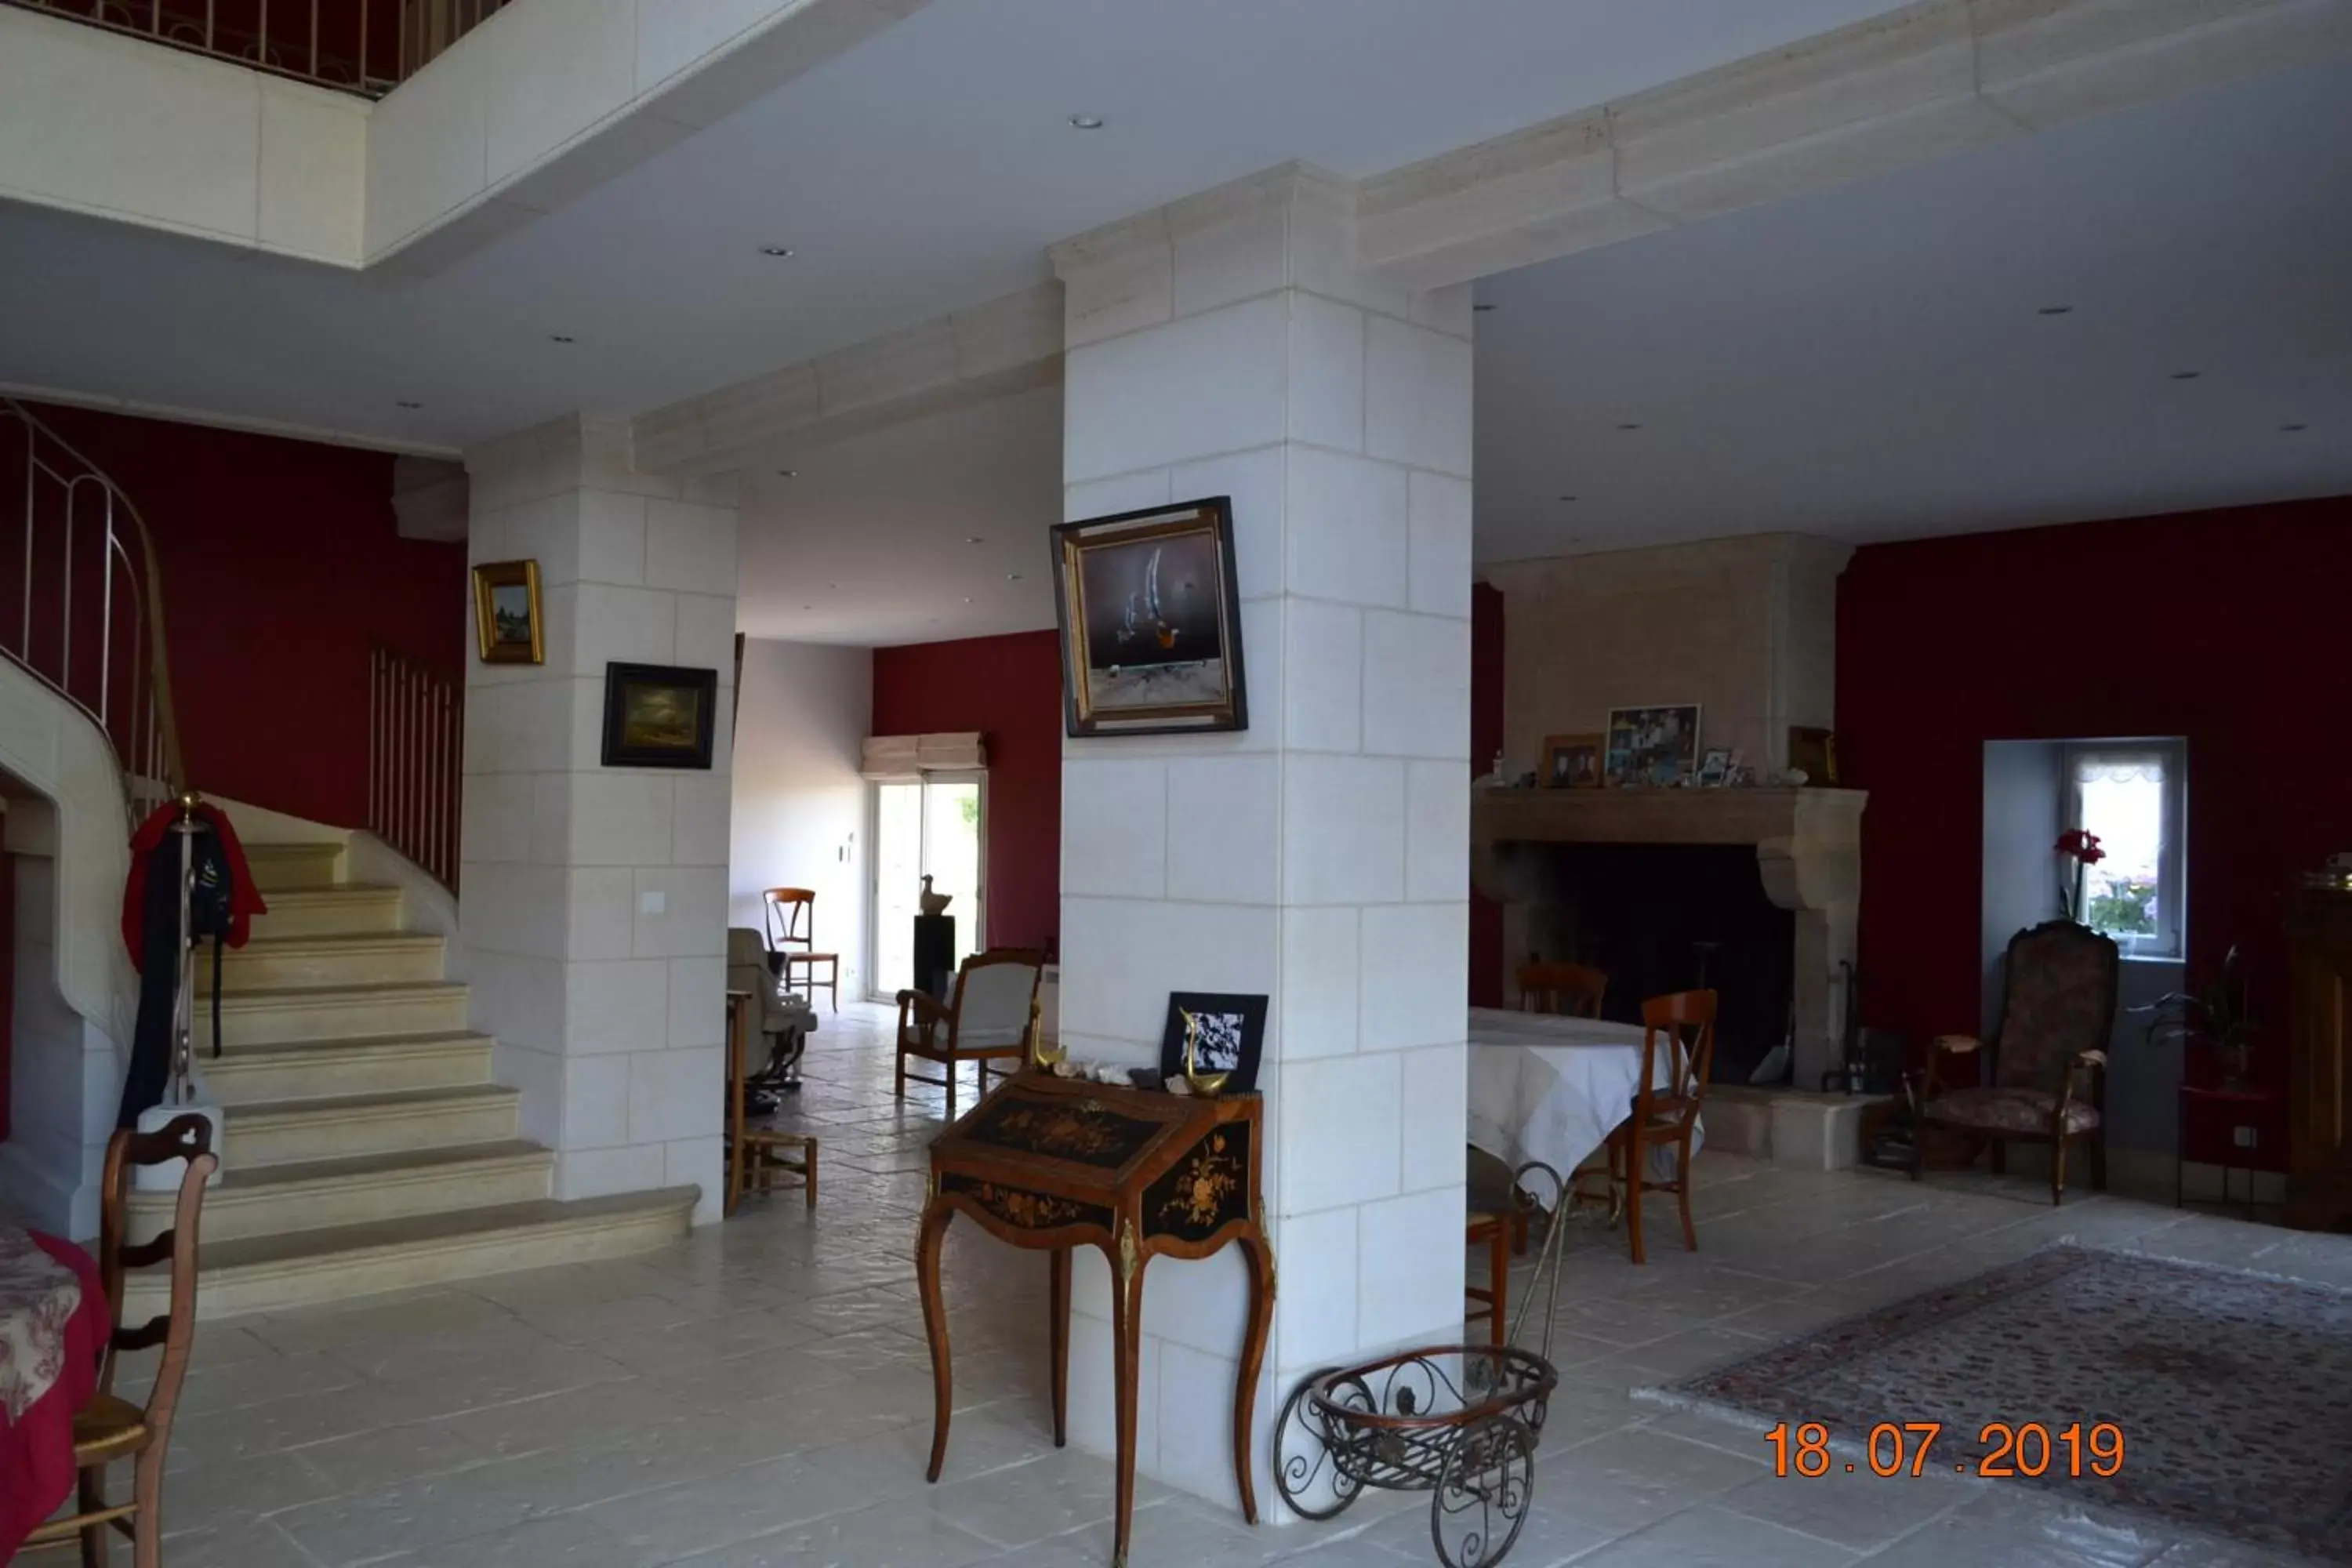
(1869, 363)
(923, 170)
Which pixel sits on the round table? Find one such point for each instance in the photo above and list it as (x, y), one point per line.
(53, 1331)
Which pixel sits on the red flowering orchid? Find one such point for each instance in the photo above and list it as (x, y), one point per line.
(2082, 846)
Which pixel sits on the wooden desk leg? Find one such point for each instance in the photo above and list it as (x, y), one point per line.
(935, 1324)
(1059, 1333)
(1126, 1337)
(1260, 1260)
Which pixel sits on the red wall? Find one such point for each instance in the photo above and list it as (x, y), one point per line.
(281, 563)
(1010, 689)
(1485, 739)
(2215, 625)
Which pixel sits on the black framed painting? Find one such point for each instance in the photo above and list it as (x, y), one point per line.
(659, 716)
(1150, 621)
(1233, 1036)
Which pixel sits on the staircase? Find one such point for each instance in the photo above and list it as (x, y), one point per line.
(366, 1147)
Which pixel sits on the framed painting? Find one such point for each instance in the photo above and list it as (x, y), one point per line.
(507, 627)
(1655, 746)
(659, 716)
(1150, 621)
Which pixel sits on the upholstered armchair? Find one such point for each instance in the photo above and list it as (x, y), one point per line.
(2042, 1075)
(988, 1019)
(781, 1022)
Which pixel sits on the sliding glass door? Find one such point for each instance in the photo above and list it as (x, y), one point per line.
(937, 828)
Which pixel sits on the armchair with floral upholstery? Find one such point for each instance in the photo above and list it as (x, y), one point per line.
(2042, 1075)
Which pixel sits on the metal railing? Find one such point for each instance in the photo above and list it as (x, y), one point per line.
(415, 750)
(366, 46)
(85, 615)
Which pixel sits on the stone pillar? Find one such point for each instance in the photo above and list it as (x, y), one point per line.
(592, 921)
(1226, 346)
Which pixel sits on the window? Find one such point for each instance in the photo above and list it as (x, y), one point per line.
(2131, 795)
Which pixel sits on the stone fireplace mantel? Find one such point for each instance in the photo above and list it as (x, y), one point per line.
(1808, 846)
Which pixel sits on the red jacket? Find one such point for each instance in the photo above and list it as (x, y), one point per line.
(245, 898)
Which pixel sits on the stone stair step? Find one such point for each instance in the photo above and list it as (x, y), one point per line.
(316, 1194)
(274, 1272)
(275, 1132)
(347, 907)
(355, 1064)
(279, 867)
(310, 962)
(306, 1013)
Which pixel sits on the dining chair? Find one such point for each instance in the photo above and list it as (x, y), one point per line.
(1677, 1049)
(760, 1158)
(110, 1427)
(790, 914)
(1569, 990)
(989, 1018)
(1497, 1219)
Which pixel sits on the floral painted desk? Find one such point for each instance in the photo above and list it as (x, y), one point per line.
(1050, 1164)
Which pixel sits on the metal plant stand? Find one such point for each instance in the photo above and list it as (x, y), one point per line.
(1459, 1421)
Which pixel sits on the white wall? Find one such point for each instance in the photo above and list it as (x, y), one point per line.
(799, 805)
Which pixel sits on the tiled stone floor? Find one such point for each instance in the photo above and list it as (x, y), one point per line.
(760, 1395)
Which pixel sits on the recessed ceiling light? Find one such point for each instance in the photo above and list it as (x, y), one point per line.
(778, 251)
(1628, 427)
(967, 598)
(1015, 576)
(2291, 429)
(1481, 309)
(1567, 498)
(973, 539)
(788, 473)
(1086, 121)
(404, 403)
(2187, 374)
(560, 338)
(2055, 311)
(808, 606)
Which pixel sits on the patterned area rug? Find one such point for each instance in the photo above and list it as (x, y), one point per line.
(2232, 1391)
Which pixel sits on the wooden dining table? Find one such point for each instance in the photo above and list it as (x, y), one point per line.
(1553, 1089)
(53, 1329)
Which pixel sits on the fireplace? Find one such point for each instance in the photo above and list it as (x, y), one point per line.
(1633, 880)
(1674, 917)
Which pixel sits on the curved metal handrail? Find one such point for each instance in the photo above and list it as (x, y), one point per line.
(145, 735)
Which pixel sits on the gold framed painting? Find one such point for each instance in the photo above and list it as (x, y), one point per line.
(507, 626)
(1150, 621)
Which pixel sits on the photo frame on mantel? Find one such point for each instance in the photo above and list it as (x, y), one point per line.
(1150, 621)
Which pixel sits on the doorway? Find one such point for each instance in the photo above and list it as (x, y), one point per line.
(937, 827)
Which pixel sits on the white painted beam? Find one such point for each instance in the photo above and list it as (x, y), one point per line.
(1901, 89)
(999, 349)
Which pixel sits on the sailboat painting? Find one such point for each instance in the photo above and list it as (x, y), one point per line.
(1151, 620)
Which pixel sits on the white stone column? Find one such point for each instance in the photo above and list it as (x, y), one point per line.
(593, 899)
(1226, 345)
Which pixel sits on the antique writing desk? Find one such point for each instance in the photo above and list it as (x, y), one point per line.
(1052, 1164)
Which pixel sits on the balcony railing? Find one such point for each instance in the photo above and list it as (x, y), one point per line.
(366, 46)
(416, 726)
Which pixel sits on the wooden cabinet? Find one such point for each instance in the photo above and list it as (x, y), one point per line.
(2319, 1059)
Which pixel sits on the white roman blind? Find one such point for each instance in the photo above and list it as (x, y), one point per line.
(904, 759)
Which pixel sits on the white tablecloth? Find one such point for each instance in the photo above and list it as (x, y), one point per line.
(1550, 1089)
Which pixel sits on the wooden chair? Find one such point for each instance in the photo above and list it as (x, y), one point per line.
(2044, 1077)
(1569, 990)
(1664, 1113)
(110, 1427)
(1498, 1222)
(988, 1019)
(790, 915)
(759, 1159)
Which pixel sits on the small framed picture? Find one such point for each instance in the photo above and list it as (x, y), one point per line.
(1655, 746)
(1232, 1033)
(507, 627)
(1714, 767)
(1150, 622)
(1815, 752)
(659, 716)
(1571, 762)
